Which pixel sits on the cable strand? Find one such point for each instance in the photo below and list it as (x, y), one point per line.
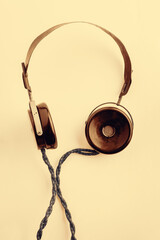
(52, 201)
(81, 151)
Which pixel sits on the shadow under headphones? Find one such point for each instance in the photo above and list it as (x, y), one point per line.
(109, 127)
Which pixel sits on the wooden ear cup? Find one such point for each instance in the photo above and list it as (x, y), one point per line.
(48, 139)
(109, 128)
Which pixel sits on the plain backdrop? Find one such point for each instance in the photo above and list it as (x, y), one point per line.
(73, 70)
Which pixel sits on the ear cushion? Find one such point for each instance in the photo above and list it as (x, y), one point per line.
(109, 128)
(48, 139)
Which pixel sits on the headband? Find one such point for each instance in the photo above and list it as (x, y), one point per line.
(126, 58)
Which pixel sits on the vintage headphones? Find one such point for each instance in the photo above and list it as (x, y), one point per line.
(109, 127)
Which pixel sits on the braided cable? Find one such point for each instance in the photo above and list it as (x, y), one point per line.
(56, 189)
(81, 151)
(52, 201)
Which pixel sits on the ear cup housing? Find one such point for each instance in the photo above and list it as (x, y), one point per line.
(109, 128)
(48, 139)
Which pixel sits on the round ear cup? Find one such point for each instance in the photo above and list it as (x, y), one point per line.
(48, 139)
(109, 128)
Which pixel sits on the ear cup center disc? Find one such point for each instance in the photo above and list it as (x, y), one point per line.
(109, 129)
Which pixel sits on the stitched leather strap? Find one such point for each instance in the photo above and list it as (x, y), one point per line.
(127, 62)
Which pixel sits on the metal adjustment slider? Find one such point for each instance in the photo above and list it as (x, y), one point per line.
(36, 118)
(25, 78)
(124, 91)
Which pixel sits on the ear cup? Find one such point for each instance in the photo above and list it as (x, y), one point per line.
(109, 128)
(48, 139)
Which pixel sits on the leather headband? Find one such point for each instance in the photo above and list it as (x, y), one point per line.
(127, 62)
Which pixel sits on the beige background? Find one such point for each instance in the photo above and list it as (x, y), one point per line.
(73, 70)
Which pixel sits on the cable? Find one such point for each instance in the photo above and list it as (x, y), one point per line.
(56, 189)
(81, 151)
(52, 201)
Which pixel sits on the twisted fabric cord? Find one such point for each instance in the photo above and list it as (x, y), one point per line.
(52, 201)
(81, 151)
(56, 189)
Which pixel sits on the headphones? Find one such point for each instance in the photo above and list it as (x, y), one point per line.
(109, 127)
